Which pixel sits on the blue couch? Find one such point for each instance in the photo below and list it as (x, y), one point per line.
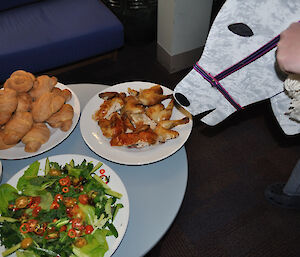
(39, 35)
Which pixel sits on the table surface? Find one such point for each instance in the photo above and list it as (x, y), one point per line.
(155, 191)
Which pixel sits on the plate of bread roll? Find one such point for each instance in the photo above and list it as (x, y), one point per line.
(36, 114)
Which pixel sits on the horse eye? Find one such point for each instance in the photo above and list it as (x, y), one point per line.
(241, 29)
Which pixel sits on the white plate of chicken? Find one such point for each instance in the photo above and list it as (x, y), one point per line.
(134, 123)
(36, 114)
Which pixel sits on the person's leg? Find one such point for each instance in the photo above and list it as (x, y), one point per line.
(286, 195)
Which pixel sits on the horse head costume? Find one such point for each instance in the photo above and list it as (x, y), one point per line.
(238, 64)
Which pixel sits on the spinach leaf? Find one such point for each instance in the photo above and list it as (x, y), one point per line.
(7, 194)
(30, 173)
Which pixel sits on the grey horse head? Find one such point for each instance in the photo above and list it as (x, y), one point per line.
(240, 28)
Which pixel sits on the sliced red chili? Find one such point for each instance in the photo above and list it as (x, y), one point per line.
(63, 228)
(83, 199)
(24, 228)
(36, 211)
(77, 224)
(72, 233)
(65, 181)
(54, 205)
(104, 178)
(65, 189)
(34, 202)
(58, 198)
(32, 223)
(88, 229)
(40, 229)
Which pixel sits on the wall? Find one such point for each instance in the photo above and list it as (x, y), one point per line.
(182, 28)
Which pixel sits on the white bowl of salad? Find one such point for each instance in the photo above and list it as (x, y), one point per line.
(64, 205)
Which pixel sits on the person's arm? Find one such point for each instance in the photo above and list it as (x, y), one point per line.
(288, 49)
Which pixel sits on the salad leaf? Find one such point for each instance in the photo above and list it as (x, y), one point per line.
(31, 172)
(89, 212)
(7, 194)
(96, 246)
(26, 254)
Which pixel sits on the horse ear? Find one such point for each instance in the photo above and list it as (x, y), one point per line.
(241, 29)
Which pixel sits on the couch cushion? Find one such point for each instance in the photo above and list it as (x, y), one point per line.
(51, 33)
(14, 3)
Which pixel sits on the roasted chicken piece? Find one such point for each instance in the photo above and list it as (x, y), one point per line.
(158, 112)
(152, 96)
(140, 139)
(140, 119)
(164, 129)
(108, 107)
(113, 126)
(110, 95)
(132, 105)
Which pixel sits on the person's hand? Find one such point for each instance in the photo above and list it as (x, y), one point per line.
(288, 49)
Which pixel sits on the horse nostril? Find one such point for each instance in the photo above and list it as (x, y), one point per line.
(241, 29)
(182, 99)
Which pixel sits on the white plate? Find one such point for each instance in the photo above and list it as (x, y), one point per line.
(115, 183)
(56, 135)
(94, 138)
(280, 105)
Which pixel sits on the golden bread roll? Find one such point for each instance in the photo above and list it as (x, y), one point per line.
(39, 134)
(46, 105)
(8, 104)
(17, 127)
(66, 93)
(3, 146)
(24, 102)
(20, 80)
(63, 118)
(42, 84)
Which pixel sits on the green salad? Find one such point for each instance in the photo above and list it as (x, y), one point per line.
(67, 211)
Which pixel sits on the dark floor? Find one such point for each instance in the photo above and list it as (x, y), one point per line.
(224, 212)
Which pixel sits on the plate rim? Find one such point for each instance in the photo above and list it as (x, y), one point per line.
(118, 240)
(77, 113)
(85, 114)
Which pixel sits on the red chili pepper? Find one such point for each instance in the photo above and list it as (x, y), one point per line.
(35, 201)
(58, 198)
(24, 228)
(72, 233)
(54, 205)
(77, 224)
(63, 228)
(89, 229)
(36, 211)
(65, 189)
(32, 223)
(83, 199)
(40, 229)
(104, 178)
(65, 181)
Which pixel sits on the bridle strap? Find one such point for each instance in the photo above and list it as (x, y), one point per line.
(251, 58)
(214, 80)
(215, 83)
